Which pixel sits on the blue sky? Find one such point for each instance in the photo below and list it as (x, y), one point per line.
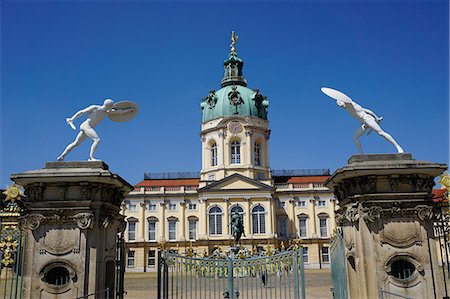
(60, 56)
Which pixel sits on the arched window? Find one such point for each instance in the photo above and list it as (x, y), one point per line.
(238, 209)
(256, 154)
(235, 152)
(215, 221)
(259, 220)
(213, 154)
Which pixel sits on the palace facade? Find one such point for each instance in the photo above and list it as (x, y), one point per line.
(190, 212)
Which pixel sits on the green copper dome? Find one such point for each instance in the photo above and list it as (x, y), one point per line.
(234, 98)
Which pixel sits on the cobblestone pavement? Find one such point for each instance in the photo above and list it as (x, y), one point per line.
(143, 285)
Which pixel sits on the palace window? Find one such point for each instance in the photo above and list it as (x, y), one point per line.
(323, 225)
(172, 230)
(214, 154)
(305, 254)
(192, 230)
(301, 203)
(215, 221)
(132, 229)
(151, 259)
(235, 152)
(172, 207)
(325, 255)
(132, 207)
(192, 206)
(303, 226)
(259, 220)
(320, 202)
(152, 207)
(152, 230)
(130, 259)
(257, 154)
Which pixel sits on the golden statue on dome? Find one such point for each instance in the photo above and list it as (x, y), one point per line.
(234, 39)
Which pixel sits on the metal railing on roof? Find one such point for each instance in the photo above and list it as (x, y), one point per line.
(171, 175)
(300, 172)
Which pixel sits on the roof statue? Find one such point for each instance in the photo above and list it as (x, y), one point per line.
(368, 119)
(234, 39)
(119, 112)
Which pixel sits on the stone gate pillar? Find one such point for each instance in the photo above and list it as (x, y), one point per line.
(71, 223)
(387, 213)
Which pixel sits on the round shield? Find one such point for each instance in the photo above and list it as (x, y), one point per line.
(336, 94)
(120, 114)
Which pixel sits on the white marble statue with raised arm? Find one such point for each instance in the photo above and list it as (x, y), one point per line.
(368, 119)
(121, 111)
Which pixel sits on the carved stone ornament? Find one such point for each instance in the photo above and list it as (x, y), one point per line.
(211, 99)
(84, 220)
(372, 213)
(32, 221)
(424, 212)
(235, 97)
(35, 192)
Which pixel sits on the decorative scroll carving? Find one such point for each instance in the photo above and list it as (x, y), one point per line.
(32, 221)
(424, 212)
(84, 220)
(372, 213)
(235, 98)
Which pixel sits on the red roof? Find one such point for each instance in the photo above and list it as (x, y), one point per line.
(165, 183)
(439, 194)
(307, 179)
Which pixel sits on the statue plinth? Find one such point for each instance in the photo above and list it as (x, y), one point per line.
(71, 223)
(386, 215)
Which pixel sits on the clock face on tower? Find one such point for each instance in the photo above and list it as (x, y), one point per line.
(235, 127)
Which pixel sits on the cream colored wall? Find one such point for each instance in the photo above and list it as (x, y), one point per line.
(225, 200)
(217, 131)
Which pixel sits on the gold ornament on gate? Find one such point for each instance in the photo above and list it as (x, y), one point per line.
(13, 193)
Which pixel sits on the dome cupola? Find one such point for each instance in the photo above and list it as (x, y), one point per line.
(234, 98)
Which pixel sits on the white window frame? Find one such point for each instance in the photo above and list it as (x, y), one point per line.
(169, 205)
(153, 205)
(300, 219)
(318, 200)
(305, 257)
(259, 227)
(327, 254)
(325, 218)
(151, 258)
(174, 231)
(134, 222)
(214, 154)
(235, 150)
(217, 229)
(155, 231)
(284, 220)
(301, 203)
(257, 154)
(195, 206)
(131, 258)
(194, 231)
(134, 205)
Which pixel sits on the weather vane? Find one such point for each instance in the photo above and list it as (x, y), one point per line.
(234, 39)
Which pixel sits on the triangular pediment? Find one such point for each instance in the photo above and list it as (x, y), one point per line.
(236, 182)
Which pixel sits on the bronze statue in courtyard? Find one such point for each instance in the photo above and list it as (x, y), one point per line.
(237, 227)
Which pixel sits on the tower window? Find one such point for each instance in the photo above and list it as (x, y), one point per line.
(235, 152)
(257, 154)
(214, 154)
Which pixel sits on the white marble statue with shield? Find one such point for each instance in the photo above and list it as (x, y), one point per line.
(368, 119)
(119, 112)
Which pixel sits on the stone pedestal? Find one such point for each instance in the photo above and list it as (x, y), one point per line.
(386, 214)
(71, 223)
